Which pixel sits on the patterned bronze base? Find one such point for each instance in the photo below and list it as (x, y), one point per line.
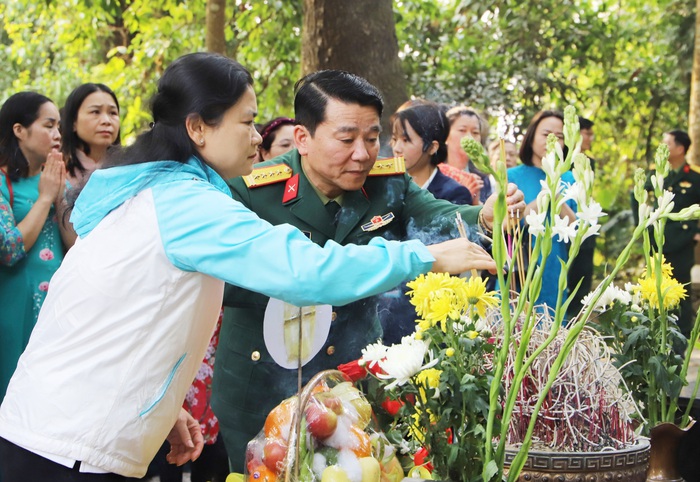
(628, 464)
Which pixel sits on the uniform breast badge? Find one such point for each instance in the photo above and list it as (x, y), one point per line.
(377, 222)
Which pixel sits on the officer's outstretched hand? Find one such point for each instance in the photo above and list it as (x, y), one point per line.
(186, 441)
(459, 255)
(515, 200)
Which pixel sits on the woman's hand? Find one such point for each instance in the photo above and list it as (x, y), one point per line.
(186, 441)
(460, 255)
(515, 203)
(52, 182)
(474, 183)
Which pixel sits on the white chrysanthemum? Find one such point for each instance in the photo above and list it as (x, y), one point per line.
(404, 361)
(373, 353)
(535, 222)
(565, 230)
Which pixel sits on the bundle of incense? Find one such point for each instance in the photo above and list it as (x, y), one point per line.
(515, 241)
(463, 234)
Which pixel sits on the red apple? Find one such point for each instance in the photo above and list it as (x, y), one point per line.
(273, 454)
(331, 401)
(320, 420)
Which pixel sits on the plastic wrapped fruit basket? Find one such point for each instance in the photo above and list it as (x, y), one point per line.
(330, 439)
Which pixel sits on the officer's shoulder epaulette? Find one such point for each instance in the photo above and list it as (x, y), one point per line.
(390, 166)
(695, 168)
(262, 176)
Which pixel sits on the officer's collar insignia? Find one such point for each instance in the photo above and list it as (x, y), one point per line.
(388, 167)
(262, 176)
(291, 189)
(685, 184)
(377, 222)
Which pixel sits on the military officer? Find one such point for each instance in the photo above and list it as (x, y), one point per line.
(332, 189)
(680, 236)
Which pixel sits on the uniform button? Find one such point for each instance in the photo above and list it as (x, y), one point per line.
(685, 226)
(682, 191)
(330, 350)
(255, 356)
(334, 315)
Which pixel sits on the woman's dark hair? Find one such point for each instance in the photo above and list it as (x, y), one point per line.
(71, 143)
(199, 84)
(268, 132)
(526, 144)
(21, 108)
(313, 91)
(454, 113)
(430, 123)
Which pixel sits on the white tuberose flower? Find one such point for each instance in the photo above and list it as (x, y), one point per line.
(536, 222)
(404, 361)
(565, 230)
(590, 213)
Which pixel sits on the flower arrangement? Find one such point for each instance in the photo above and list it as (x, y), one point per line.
(650, 351)
(487, 369)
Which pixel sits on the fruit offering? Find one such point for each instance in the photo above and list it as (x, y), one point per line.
(335, 442)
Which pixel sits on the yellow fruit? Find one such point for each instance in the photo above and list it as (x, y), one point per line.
(334, 474)
(392, 471)
(371, 472)
(420, 473)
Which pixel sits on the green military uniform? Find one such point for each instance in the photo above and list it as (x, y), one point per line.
(679, 245)
(247, 382)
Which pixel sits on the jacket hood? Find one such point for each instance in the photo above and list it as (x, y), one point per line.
(107, 189)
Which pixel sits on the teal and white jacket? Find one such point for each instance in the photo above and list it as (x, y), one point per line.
(130, 312)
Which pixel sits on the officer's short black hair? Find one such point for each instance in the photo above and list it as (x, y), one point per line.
(313, 91)
(681, 138)
(584, 123)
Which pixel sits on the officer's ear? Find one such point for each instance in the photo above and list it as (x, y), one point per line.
(301, 139)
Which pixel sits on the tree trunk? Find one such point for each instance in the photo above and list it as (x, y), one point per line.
(694, 110)
(216, 20)
(358, 36)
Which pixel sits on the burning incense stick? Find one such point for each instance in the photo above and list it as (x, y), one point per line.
(463, 234)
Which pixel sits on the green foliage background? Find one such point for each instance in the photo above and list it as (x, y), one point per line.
(625, 64)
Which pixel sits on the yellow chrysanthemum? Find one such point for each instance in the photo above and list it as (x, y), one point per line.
(450, 352)
(471, 334)
(477, 297)
(423, 325)
(426, 289)
(666, 269)
(415, 429)
(671, 290)
(428, 378)
(441, 309)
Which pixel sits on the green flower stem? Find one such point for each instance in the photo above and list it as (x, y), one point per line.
(520, 458)
(684, 371)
